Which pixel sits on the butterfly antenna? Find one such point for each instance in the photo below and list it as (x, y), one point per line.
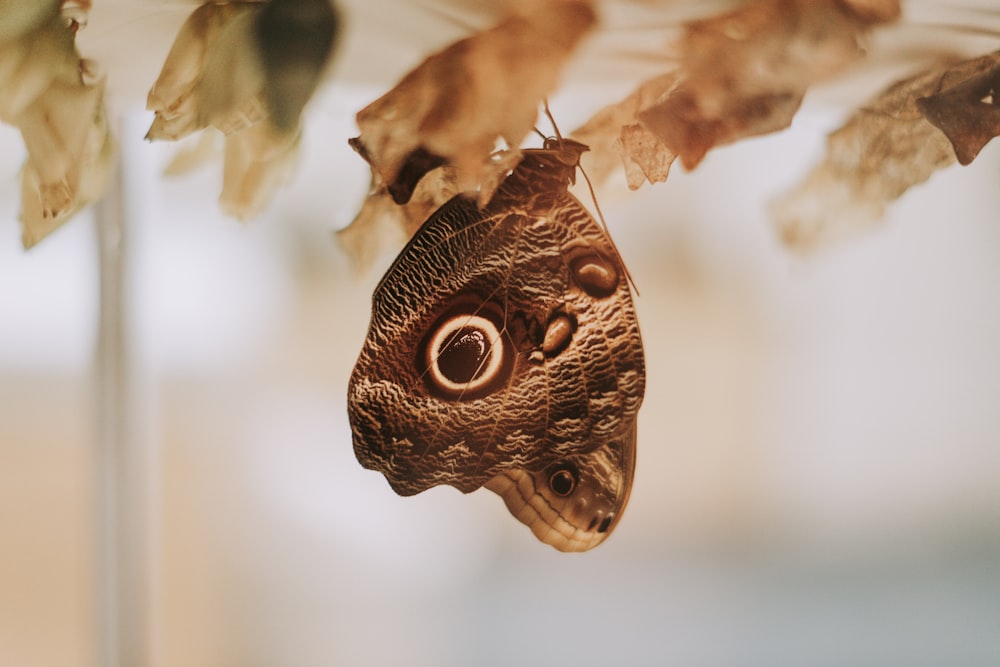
(607, 232)
(552, 120)
(593, 198)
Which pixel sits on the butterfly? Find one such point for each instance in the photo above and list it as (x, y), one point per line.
(504, 352)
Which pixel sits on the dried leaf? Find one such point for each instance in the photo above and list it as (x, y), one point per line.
(740, 74)
(194, 89)
(200, 150)
(246, 69)
(966, 107)
(257, 161)
(687, 130)
(457, 104)
(56, 99)
(69, 157)
(294, 40)
(885, 148)
(744, 72)
(614, 135)
(645, 157)
(38, 215)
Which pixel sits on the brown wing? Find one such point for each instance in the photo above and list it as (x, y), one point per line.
(502, 342)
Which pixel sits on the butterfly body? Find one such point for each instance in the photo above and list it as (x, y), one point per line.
(504, 352)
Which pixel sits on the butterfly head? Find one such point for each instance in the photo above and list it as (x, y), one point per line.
(551, 167)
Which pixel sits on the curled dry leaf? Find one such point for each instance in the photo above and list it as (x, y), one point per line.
(740, 74)
(966, 107)
(194, 90)
(223, 72)
(295, 39)
(614, 134)
(458, 103)
(56, 99)
(257, 161)
(744, 72)
(884, 148)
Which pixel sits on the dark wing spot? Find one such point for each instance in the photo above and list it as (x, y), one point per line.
(558, 334)
(596, 275)
(563, 481)
(463, 357)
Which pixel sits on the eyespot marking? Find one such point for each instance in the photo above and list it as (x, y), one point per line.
(464, 356)
(461, 357)
(595, 275)
(558, 334)
(563, 481)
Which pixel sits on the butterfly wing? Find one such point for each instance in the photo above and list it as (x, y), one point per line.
(504, 343)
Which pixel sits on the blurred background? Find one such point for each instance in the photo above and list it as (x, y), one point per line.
(818, 478)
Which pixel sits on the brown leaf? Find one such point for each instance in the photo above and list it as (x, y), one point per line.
(884, 148)
(615, 136)
(685, 129)
(56, 99)
(967, 109)
(459, 102)
(744, 72)
(69, 157)
(740, 74)
(257, 161)
(646, 157)
(181, 100)
(227, 70)
(294, 40)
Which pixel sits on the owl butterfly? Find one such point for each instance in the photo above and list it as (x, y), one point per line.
(504, 352)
